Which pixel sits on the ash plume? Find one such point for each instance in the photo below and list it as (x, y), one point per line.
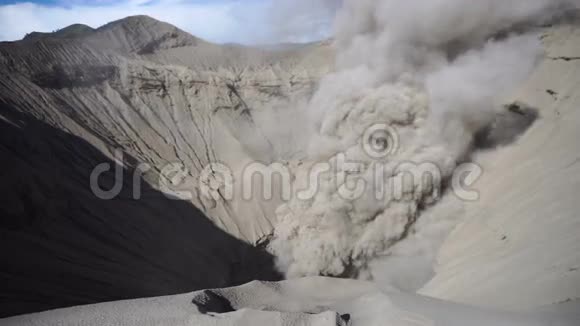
(430, 70)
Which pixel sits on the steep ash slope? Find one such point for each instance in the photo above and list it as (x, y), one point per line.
(518, 246)
(62, 246)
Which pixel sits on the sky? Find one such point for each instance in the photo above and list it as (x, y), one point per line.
(221, 21)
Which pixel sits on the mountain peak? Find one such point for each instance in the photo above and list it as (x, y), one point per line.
(133, 20)
(143, 35)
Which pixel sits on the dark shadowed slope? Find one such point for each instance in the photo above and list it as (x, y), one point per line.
(61, 246)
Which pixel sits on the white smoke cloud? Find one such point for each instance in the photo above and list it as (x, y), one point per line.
(431, 70)
(299, 21)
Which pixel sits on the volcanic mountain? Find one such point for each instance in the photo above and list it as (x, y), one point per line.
(112, 141)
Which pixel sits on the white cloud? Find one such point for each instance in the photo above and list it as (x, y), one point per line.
(255, 21)
(288, 20)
